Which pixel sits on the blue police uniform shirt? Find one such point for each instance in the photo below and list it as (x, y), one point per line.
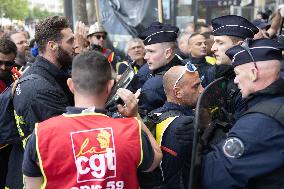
(253, 147)
(140, 78)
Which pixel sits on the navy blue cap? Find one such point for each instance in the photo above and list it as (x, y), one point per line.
(232, 25)
(159, 32)
(261, 50)
(261, 24)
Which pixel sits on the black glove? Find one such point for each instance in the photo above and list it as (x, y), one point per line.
(212, 135)
(185, 129)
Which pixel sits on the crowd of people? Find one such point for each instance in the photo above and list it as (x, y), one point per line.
(68, 138)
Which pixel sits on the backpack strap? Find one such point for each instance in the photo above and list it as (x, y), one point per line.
(163, 120)
(161, 127)
(269, 108)
(167, 114)
(14, 87)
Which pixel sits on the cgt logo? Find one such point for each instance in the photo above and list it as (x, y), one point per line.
(94, 154)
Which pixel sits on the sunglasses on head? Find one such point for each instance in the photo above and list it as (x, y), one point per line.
(245, 46)
(189, 67)
(7, 63)
(100, 36)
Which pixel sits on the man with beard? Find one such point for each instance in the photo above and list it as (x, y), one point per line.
(8, 52)
(21, 42)
(97, 36)
(47, 94)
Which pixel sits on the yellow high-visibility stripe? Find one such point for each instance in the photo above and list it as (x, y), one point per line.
(161, 127)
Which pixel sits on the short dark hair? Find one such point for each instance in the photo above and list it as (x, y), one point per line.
(50, 29)
(90, 72)
(7, 46)
(207, 34)
(198, 26)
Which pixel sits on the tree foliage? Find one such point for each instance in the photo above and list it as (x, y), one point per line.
(38, 14)
(14, 9)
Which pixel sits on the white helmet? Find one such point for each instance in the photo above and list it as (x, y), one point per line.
(96, 28)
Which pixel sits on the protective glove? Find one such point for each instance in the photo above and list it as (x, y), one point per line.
(212, 135)
(185, 130)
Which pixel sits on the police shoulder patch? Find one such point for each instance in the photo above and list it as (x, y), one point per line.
(233, 147)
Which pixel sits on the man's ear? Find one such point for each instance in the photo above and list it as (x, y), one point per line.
(52, 45)
(70, 84)
(178, 92)
(168, 52)
(239, 42)
(253, 75)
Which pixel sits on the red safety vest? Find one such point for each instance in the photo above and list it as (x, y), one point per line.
(89, 151)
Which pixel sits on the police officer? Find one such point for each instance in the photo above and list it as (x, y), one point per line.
(228, 31)
(160, 46)
(86, 147)
(182, 87)
(252, 154)
(136, 52)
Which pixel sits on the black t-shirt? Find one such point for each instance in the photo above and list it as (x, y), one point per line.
(31, 165)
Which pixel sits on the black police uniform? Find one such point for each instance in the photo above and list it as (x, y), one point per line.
(252, 155)
(256, 158)
(173, 172)
(234, 104)
(152, 93)
(237, 26)
(281, 41)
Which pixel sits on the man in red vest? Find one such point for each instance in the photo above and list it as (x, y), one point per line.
(8, 53)
(85, 148)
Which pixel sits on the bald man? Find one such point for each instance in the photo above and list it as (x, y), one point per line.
(251, 156)
(182, 87)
